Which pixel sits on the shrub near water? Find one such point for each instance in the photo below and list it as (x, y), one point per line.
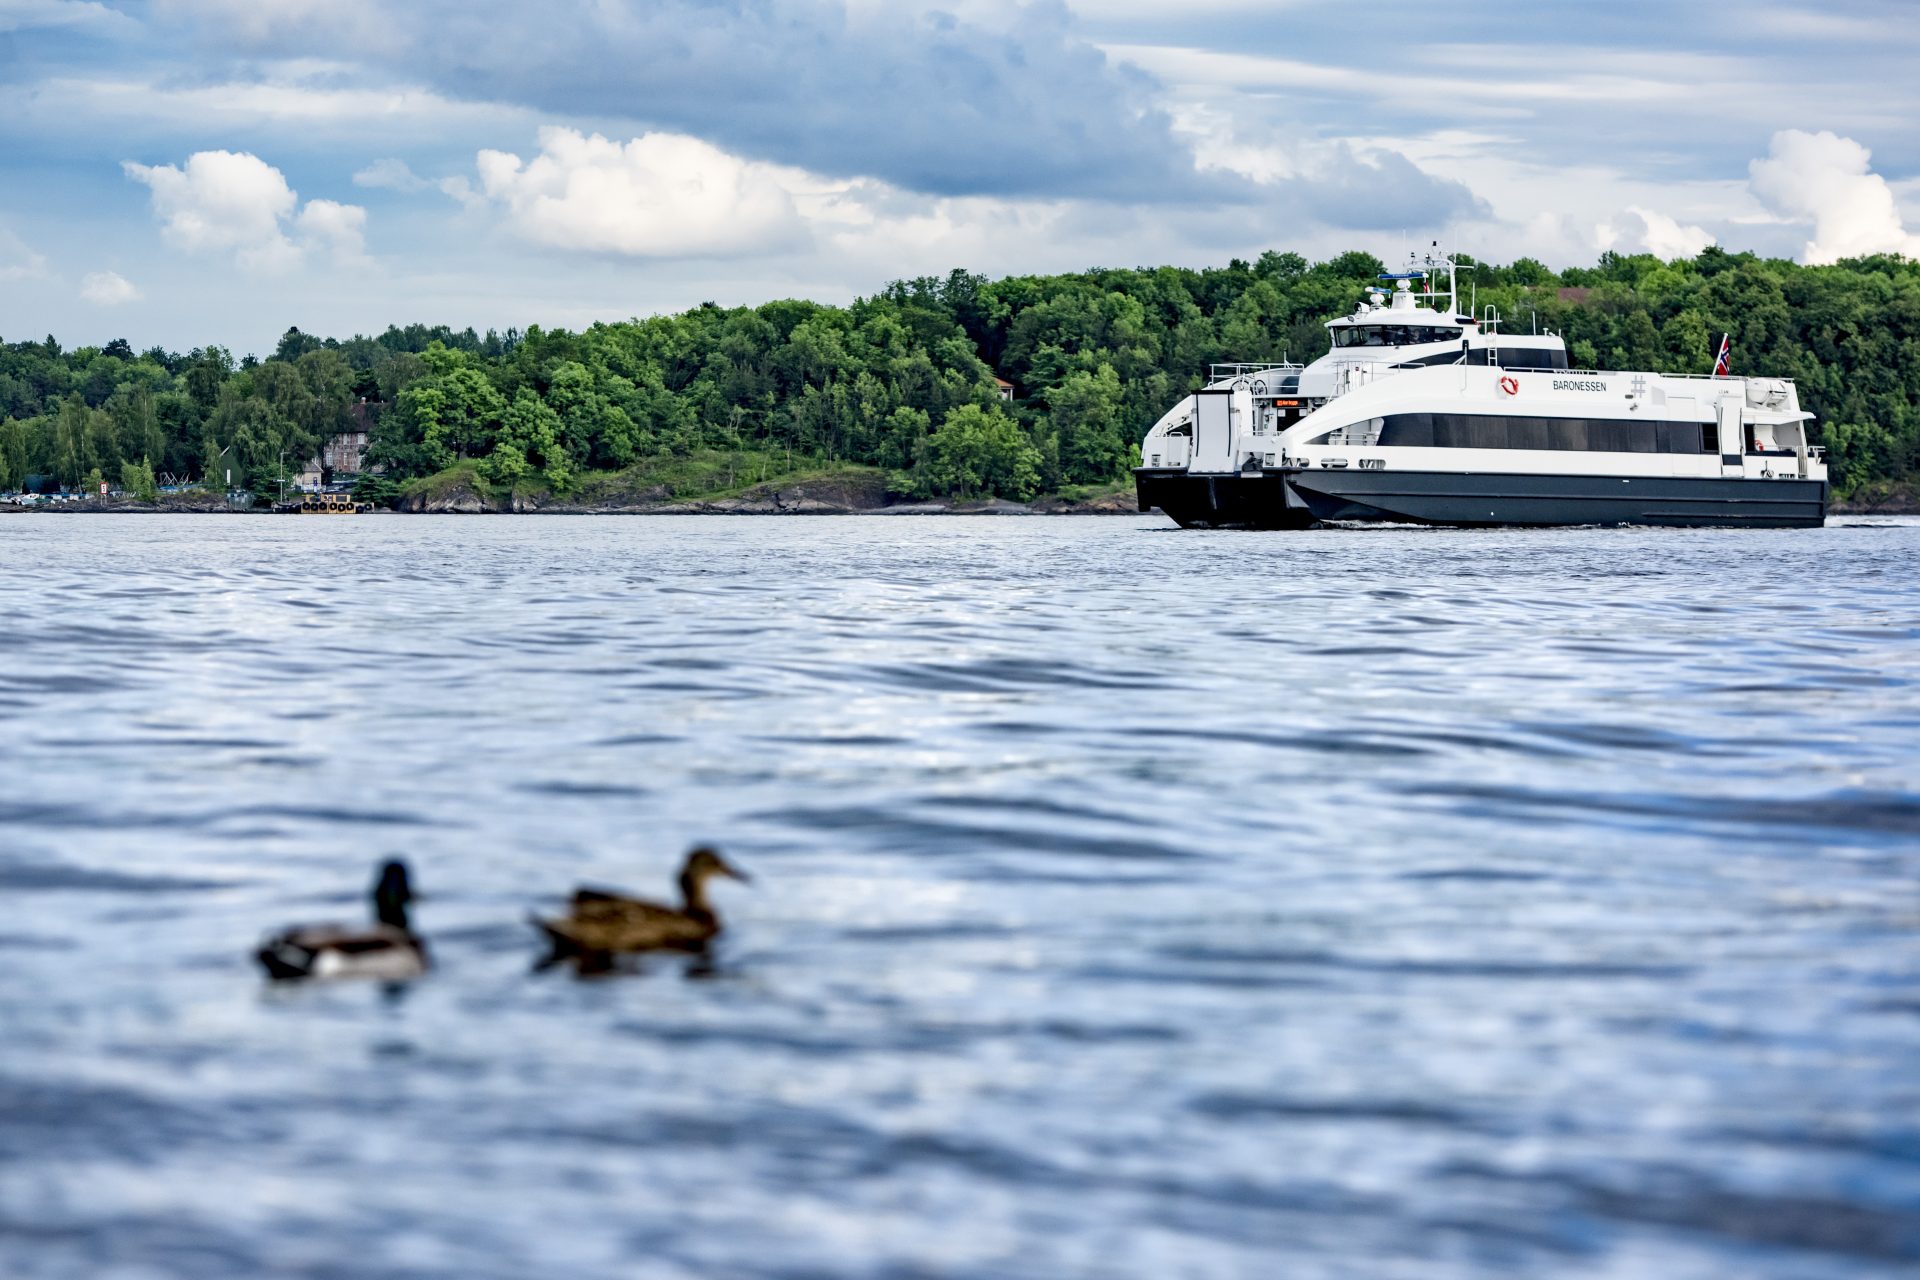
(137, 479)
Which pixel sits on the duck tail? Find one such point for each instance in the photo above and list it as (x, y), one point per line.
(282, 960)
(563, 944)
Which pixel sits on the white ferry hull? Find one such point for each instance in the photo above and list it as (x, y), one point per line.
(1293, 498)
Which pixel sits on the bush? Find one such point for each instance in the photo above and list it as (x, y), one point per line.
(380, 490)
(978, 452)
(137, 479)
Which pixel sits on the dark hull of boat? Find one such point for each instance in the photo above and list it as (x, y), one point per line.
(1251, 500)
(1294, 499)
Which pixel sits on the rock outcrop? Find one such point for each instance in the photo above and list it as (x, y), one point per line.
(459, 499)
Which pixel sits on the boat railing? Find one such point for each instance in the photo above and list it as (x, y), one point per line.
(1354, 374)
(1697, 377)
(1220, 372)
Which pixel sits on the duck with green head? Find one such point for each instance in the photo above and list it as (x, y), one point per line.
(388, 949)
(602, 923)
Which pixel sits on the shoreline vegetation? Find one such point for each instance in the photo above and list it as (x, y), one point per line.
(829, 494)
(711, 486)
(935, 394)
(721, 483)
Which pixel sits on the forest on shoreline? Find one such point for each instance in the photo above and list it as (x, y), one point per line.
(909, 378)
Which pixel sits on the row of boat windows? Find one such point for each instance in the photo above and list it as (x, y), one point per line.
(1504, 357)
(1590, 435)
(1391, 335)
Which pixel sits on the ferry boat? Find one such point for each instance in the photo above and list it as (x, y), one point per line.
(1418, 413)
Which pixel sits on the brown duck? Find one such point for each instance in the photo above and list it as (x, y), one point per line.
(601, 923)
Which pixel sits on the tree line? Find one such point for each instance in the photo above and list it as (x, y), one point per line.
(908, 379)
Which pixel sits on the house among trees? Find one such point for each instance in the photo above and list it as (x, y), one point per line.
(341, 454)
(1006, 388)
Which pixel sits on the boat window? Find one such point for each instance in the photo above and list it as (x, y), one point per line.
(1532, 358)
(1709, 437)
(1526, 431)
(1392, 335)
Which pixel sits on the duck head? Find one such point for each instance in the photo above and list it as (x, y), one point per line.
(391, 894)
(702, 865)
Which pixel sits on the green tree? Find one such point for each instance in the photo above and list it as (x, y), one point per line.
(1085, 412)
(904, 436)
(529, 442)
(137, 479)
(979, 452)
(69, 433)
(13, 455)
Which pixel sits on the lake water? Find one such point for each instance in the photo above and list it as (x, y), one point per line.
(1128, 902)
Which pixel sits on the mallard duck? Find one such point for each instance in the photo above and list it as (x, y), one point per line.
(388, 948)
(602, 923)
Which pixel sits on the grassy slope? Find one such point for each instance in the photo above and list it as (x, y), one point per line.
(708, 474)
(704, 475)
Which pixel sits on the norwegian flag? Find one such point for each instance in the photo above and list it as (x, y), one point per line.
(1723, 363)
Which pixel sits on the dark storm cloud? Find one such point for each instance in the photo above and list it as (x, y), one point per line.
(1018, 105)
(1383, 191)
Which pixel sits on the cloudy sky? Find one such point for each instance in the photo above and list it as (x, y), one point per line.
(192, 171)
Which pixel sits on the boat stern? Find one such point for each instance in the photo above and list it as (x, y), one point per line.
(1229, 500)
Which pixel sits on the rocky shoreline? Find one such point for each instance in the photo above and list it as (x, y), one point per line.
(827, 498)
(1897, 500)
(837, 496)
(832, 497)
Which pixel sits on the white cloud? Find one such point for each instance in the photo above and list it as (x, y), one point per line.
(234, 201)
(1339, 182)
(338, 228)
(1816, 24)
(267, 22)
(1641, 230)
(223, 200)
(662, 194)
(1827, 180)
(394, 175)
(108, 289)
(305, 100)
(397, 175)
(18, 261)
(24, 15)
(1522, 92)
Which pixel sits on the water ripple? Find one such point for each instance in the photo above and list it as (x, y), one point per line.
(1399, 903)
